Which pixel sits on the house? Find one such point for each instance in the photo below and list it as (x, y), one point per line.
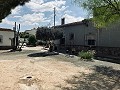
(79, 34)
(6, 38)
(32, 31)
(83, 35)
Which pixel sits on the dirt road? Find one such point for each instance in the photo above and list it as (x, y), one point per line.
(20, 72)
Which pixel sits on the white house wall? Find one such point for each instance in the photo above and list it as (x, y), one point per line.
(7, 35)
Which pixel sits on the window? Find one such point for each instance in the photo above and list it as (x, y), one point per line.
(91, 42)
(71, 37)
(1, 39)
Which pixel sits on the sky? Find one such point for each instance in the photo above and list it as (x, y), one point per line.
(37, 13)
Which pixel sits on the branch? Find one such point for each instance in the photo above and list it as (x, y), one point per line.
(117, 5)
(110, 2)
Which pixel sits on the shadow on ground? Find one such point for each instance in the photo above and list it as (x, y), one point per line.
(104, 78)
(109, 59)
(43, 54)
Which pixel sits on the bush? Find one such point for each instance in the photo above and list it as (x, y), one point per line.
(86, 55)
(32, 40)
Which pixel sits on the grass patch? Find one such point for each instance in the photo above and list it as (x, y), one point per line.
(87, 55)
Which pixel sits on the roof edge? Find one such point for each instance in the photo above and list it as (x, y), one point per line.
(5, 29)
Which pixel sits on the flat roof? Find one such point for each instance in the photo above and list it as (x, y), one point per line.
(5, 29)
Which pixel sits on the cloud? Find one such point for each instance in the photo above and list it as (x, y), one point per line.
(33, 17)
(41, 6)
(68, 12)
(6, 21)
(36, 12)
(17, 10)
(70, 18)
(37, 1)
(30, 19)
(27, 19)
(40, 13)
(17, 16)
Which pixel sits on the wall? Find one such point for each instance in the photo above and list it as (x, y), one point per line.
(80, 33)
(105, 37)
(6, 38)
(109, 37)
(32, 31)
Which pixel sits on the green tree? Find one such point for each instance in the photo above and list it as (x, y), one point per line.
(43, 33)
(24, 35)
(7, 5)
(46, 34)
(58, 34)
(104, 12)
(32, 40)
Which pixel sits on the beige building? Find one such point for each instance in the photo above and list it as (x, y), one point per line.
(32, 31)
(6, 38)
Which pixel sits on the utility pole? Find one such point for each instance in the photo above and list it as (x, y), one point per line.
(54, 16)
(17, 36)
(14, 39)
(18, 28)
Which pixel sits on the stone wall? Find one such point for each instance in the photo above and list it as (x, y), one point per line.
(111, 52)
(108, 51)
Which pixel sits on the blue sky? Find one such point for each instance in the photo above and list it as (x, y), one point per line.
(40, 13)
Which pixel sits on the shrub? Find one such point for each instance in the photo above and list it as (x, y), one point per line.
(32, 40)
(86, 55)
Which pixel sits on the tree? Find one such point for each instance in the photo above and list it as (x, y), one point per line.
(24, 35)
(43, 33)
(58, 34)
(7, 5)
(104, 12)
(46, 34)
(32, 40)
